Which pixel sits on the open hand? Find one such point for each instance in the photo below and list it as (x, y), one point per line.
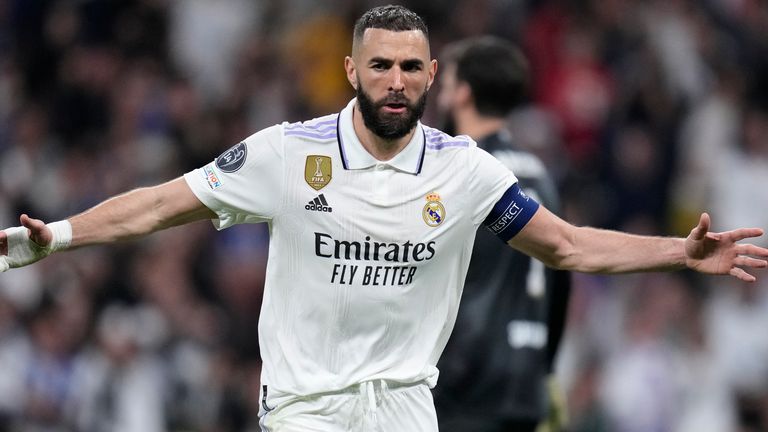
(719, 253)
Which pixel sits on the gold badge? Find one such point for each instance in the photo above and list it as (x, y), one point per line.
(434, 212)
(317, 171)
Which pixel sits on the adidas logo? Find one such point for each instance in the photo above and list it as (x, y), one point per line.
(319, 204)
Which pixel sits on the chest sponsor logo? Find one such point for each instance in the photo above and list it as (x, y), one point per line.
(368, 262)
(319, 204)
(318, 171)
(434, 211)
(232, 159)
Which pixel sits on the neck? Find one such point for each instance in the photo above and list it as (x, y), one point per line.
(380, 148)
(470, 122)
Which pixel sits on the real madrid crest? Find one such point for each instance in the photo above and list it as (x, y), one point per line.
(318, 171)
(434, 212)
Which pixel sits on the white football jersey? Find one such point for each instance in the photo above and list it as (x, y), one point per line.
(367, 259)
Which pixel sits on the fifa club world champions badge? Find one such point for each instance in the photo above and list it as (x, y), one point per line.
(318, 171)
(434, 212)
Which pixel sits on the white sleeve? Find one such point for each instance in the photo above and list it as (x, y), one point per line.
(488, 182)
(244, 184)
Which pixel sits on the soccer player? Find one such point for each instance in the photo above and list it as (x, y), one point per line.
(495, 369)
(372, 217)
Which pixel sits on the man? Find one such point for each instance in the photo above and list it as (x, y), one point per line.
(494, 369)
(372, 217)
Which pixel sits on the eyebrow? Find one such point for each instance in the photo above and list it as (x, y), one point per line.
(389, 62)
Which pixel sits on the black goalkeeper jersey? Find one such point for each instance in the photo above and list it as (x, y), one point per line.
(510, 320)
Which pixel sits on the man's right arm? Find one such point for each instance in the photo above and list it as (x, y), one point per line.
(138, 213)
(131, 215)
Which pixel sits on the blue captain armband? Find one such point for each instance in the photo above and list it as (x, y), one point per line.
(511, 213)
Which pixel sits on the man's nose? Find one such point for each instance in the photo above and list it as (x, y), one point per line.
(396, 80)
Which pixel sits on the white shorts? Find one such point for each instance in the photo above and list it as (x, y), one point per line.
(372, 406)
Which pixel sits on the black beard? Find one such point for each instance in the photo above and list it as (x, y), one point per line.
(390, 126)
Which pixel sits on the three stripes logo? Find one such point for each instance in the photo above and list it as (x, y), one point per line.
(319, 204)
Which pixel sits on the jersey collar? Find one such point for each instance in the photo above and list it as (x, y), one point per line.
(354, 156)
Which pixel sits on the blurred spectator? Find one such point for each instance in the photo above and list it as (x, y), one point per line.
(48, 368)
(322, 42)
(644, 364)
(744, 164)
(741, 350)
(705, 400)
(671, 29)
(636, 174)
(206, 38)
(708, 131)
(123, 384)
(570, 79)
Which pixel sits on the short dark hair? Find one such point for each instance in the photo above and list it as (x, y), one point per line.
(390, 17)
(495, 70)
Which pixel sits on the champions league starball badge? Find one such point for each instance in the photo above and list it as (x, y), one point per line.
(232, 159)
(434, 211)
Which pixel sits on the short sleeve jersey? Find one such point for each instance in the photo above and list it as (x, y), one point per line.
(367, 258)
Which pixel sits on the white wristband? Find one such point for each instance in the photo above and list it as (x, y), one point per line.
(62, 235)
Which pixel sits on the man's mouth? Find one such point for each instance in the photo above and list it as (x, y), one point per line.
(395, 108)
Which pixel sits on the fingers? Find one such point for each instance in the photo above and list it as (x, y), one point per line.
(750, 249)
(742, 275)
(742, 233)
(34, 225)
(702, 228)
(38, 232)
(744, 261)
(747, 261)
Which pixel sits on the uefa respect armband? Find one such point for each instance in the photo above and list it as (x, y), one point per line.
(511, 213)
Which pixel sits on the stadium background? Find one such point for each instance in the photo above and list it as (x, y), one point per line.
(646, 111)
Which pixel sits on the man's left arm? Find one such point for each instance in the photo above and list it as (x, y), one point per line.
(562, 245)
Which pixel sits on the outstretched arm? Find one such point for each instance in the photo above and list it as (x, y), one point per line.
(138, 213)
(131, 215)
(562, 245)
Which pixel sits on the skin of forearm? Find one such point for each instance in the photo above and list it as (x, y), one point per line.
(124, 217)
(593, 250)
(137, 213)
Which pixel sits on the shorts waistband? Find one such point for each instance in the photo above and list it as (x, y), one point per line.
(375, 384)
(372, 391)
(366, 389)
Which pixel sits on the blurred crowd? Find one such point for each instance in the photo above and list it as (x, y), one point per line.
(647, 112)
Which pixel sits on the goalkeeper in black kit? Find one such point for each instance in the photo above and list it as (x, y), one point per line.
(496, 370)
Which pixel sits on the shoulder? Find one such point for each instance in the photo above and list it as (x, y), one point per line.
(437, 140)
(318, 129)
(462, 152)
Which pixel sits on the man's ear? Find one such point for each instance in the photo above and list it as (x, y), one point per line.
(351, 70)
(432, 73)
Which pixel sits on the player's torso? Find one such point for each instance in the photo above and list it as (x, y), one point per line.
(367, 262)
(372, 227)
